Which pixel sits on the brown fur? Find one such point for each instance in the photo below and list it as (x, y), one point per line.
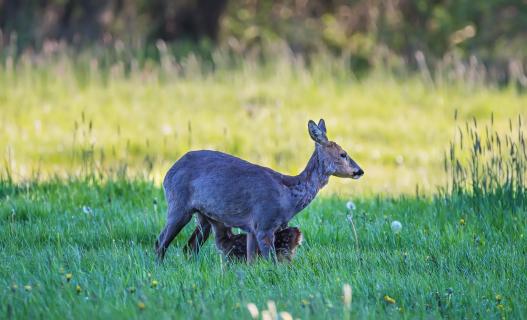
(234, 246)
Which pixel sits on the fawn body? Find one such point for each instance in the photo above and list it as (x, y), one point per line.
(225, 191)
(234, 246)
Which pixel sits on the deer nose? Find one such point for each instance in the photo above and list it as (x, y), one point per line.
(359, 172)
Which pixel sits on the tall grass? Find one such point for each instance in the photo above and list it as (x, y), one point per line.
(487, 166)
(119, 109)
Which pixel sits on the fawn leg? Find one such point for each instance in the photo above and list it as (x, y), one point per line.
(199, 236)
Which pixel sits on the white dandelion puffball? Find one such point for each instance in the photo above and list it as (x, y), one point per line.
(350, 205)
(396, 226)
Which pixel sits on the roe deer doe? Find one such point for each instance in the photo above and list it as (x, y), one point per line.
(225, 191)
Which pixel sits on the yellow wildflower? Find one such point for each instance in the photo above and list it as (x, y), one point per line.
(498, 298)
(27, 287)
(78, 289)
(154, 283)
(141, 305)
(389, 299)
(500, 307)
(69, 276)
(462, 221)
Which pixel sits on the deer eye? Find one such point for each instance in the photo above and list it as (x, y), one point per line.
(343, 155)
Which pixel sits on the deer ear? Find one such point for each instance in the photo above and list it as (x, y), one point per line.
(322, 125)
(316, 133)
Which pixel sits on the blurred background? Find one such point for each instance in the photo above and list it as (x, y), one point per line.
(368, 33)
(128, 86)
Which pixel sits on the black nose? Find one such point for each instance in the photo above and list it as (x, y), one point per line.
(360, 172)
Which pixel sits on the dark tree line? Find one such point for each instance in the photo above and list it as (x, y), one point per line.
(91, 21)
(494, 30)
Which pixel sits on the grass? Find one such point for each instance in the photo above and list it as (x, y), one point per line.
(56, 113)
(80, 202)
(437, 266)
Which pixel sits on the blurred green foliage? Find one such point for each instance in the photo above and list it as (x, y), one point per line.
(367, 32)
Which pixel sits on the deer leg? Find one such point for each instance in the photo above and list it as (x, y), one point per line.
(199, 236)
(222, 235)
(175, 222)
(251, 247)
(266, 244)
(160, 238)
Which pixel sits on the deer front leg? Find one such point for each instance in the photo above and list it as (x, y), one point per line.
(266, 244)
(251, 247)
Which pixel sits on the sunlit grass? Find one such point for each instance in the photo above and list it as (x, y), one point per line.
(147, 117)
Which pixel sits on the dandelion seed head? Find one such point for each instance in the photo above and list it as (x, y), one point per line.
(350, 205)
(396, 226)
(87, 210)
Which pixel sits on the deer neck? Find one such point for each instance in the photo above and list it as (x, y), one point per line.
(307, 184)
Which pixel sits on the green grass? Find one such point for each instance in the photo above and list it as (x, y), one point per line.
(86, 146)
(47, 234)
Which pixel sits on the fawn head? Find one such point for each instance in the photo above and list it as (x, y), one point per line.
(333, 158)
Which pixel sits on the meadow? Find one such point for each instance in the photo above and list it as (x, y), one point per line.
(81, 202)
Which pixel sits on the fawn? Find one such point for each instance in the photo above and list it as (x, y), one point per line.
(234, 246)
(225, 191)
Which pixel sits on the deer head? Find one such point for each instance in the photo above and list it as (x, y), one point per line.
(334, 160)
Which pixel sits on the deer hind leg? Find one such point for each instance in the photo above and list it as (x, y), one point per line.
(176, 220)
(199, 236)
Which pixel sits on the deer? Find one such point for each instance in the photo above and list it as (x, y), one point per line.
(224, 191)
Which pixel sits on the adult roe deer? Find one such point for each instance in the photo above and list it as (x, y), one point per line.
(225, 191)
